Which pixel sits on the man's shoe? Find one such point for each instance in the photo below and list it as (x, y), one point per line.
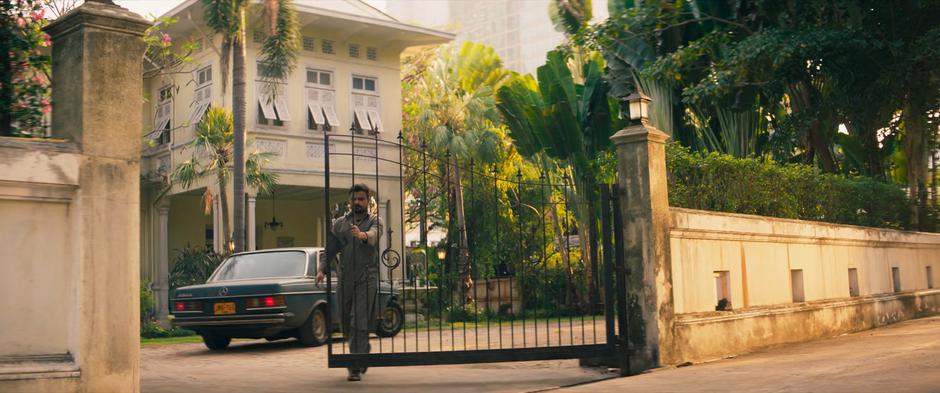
(354, 376)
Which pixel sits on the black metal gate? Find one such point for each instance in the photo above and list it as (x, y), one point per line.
(477, 262)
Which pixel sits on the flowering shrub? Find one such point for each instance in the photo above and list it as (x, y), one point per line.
(24, 74)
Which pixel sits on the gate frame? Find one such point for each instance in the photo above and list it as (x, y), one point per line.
(615, 309)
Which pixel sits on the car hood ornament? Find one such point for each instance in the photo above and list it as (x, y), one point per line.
(223, 291)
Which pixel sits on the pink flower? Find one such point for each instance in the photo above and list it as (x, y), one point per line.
(46, 106)
(38, 14)
(46, 40)
(20, 21)
(167, 40)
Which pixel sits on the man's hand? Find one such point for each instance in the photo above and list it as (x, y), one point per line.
(319, 277)
(359, 234)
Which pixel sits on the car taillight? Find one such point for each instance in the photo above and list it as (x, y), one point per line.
(264, 302)
(187, 306)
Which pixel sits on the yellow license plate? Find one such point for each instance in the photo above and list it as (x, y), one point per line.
(224, 308)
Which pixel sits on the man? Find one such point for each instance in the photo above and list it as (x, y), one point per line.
(355, 237)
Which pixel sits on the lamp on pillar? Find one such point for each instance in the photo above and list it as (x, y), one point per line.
(639, 107)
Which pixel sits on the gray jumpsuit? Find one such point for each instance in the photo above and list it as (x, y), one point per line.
(358, 278)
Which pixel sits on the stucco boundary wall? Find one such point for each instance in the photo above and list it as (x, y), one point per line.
(69, 217)
(759, 257)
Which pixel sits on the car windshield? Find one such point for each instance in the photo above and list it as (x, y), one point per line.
(262, 265)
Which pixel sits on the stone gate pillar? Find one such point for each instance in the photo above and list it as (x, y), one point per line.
(97, 83)
(644, 206)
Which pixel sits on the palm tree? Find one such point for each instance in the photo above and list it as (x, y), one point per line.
(570, 122)
(215, 136)
(227, 17)
(459, 113)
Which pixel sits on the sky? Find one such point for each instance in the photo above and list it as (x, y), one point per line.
(149, 8)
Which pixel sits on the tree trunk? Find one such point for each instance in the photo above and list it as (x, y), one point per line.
(586, 233)
(802, 97)
(915, 148)
(239, 105)
(559, 241)
(223, 201)
(463, 260)
(823, 154)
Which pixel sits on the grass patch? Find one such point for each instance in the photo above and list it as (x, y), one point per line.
(146, 342)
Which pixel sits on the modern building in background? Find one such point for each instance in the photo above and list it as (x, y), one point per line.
(520, 31)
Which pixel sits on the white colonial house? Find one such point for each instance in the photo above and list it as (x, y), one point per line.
(347, 82)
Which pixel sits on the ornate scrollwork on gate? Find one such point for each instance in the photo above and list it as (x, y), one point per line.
(390, 258)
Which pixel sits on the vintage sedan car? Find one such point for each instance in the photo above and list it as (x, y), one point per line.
(269, 294)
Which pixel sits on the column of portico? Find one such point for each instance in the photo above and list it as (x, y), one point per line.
(161, 285)
(250, 223)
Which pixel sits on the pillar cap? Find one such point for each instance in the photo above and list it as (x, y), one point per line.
(643, 132)
(100, 15)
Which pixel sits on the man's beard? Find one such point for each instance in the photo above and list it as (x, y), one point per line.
(358, 209)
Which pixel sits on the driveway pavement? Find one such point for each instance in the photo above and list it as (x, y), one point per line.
(283, 366)
(899, 358)
(904, 357)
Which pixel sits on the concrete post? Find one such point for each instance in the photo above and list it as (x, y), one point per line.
(250, 224)
(96, 72)
(161, 285)
(644, 207)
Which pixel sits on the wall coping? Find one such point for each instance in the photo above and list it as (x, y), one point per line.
(764, 311)
(39, 163)
(42, 144)
(701, 224)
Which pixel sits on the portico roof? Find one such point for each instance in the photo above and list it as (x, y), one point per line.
(348, 18)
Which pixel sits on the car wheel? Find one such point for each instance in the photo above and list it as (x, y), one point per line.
(313, 332)
(216, 342)
(393, 318)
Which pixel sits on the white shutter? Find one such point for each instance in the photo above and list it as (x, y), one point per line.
(161, 115)
(376, 120)
(280, 103)
(330, 111)
(267, 107)
(317, 112)
(361, 119)
(198, 112)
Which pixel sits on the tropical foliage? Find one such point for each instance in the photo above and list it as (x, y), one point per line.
(193, 266)
(212, 150)
(228, 18)
(835, 84)
(559, 119)
(454, 119)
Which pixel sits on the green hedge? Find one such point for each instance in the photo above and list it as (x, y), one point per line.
(716, 182)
